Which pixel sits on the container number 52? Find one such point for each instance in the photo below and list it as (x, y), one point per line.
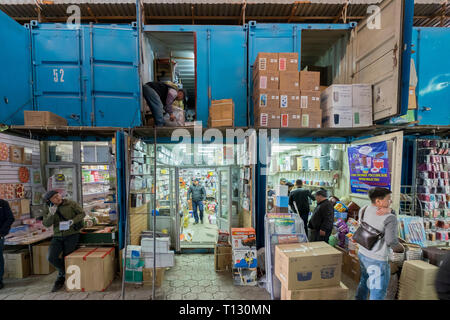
(58, 75)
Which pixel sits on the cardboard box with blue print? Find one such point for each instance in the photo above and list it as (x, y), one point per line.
(244, 258)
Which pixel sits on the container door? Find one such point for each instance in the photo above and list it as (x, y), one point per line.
(15, 75)
(57, 71)
(380, 49)
(122, 174)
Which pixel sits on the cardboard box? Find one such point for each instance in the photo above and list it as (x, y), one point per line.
(289, 100)
(223, 237)
(222, 258)
(338, 117)
(287, 61)
(308, 265)
(291, 119)
(40, 261)
(282, 201)
(435, 255)
(309, 80)
(309, 100)
(244, 258)
(16, 208)
(162, 245)
(354, 268)
(362, 118)
(245, 277)
(329, 293)
(266, 99)
(266, 62)
(311, 119)
(97, 269)
(289, 81)
(147, 277)
(17, 264)
(417, 281)
(322, 88)
(267, 119)
(337, 96)
(265, 80)
(43, 118)
(412, 100)
(243, 238)
(362, 95)
(221, 113)
(16, 154)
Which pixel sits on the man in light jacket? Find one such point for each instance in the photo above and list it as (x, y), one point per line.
(198, 195)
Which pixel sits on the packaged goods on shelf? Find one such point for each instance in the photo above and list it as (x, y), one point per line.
(287, 62)
(289, 81)
(266, 62)
(309, 80)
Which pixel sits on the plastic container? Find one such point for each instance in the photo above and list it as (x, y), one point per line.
(325, 150)
(325, 163)
(335, 154)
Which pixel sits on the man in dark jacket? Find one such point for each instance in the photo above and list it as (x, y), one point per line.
(321, 223)
(443, 279)
(6, 220)
(301, 198)
(66, 217)
(198, 194)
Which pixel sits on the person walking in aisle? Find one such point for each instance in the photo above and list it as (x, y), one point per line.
(321, 223)
(198, 195)
(66, 217)
(301, 198)
(374, 264)
(6, 220)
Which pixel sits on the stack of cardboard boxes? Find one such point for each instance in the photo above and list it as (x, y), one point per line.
(243, 242)
(417, 281)
(309, 271)
(221, 113)
(222, 252)
(282, 96)
(164, 258)
(282, 199)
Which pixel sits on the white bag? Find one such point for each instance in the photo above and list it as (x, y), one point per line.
(179, 118)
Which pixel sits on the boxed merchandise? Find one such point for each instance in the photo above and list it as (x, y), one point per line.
(43, 118)
(40, 261)
(362, 95)
(266, 80)
(329, 293)
(223, 237)
(222, 257)
(266, 62)
(147, 277)
(362, 117)
(354, 268)
(308, 265)
(338, 117)
(17, 264)
(243, 238)
(96, 267)
(337, 95)
(309, 80)
(163, 260)
(309, 100)
(289, 81)
(281, 190)
(412, 101)
(24, 206)
(268, 119)
(288, 61)
(417, 281)
(282, 201)
(244, 258)
(221, 113)
(289, 100)
(245, 277)
(134, 264)
(16, 154)
(162, 245)
(277, 209)
(266, 99)
(311, 119)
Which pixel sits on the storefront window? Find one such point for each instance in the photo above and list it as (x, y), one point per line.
(95, 152)
(60, 151)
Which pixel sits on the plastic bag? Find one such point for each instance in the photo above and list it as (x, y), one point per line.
(179, 118)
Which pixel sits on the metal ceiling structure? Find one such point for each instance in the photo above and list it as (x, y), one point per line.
(428, 13)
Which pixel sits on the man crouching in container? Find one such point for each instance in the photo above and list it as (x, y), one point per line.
(66, 217)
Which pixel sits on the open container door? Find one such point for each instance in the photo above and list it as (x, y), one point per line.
(15, 75)
(380, 49)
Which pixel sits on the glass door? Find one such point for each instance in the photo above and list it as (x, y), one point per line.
(224, 199)
(63, 179)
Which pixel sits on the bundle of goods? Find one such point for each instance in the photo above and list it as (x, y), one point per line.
(417, 281)
(280, 228)
(244, 264)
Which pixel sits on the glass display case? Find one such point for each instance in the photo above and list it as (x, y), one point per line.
(62, 179)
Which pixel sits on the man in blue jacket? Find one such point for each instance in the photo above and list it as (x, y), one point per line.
(198, 194)
(6, 220)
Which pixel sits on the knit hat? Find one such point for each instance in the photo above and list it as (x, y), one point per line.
(322, 192)
(49, 195)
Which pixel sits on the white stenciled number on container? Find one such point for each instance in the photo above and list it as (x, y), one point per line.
(74, 280)
(58, 75)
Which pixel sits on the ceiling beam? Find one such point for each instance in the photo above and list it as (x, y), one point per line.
(343, 14)
(293, 10)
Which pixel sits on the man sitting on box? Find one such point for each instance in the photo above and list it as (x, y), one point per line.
(321, 223)
(6, 220)
(198, 194)
(66, 217)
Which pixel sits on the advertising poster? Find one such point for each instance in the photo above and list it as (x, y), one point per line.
(369, 167)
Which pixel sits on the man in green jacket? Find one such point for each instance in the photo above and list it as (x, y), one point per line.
(66, 217)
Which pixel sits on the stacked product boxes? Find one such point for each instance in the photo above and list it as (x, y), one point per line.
(243, 243)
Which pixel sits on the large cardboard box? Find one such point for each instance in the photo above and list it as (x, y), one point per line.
(265, 80)
(362, 95)
(311, 119)
(291, 118)
(243, 238)
(43, 118)
(309, 100)
(40, 261)
(147, 277)
(329, 293)
(417, 281)
(222, 257)
(245, 258)
(266, 99)
(96, 267)
(289, 81)
(308, 265)
(289, 100)
(338, 117)
(287, 61)
(266, 61)
(267, 119)
(309, 80)
(221, 113)
(17, 264)
(337, 96)
(362, 117)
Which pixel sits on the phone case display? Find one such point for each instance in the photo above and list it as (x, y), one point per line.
(280, 228)
(433, 188)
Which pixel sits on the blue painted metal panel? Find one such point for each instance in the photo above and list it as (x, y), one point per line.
(121, 186)
(432, 46)
(15, 74)
(408, 19)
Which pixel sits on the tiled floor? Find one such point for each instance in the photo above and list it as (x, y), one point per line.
(192, 278)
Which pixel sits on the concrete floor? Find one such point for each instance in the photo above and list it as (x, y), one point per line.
(192, 278)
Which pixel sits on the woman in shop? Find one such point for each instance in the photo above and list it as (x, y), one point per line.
(66, 217)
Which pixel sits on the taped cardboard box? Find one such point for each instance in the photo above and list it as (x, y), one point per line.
(309, 100)
(267, 119)
(412, 100)
(17, 264)
(43, 118)
(40, 261)
(338, 117)
(309, 80)
(289, 100)
(291, 118)
(287, 61)
(308, 265)
(222, 258)
(311, 119)
(266, 61)
(289, 81)
(329, 293)
(221, 113)
(417, 281)
(265, 80)
(96, 267)
(147, 277)
(266, 99)
(362, 117)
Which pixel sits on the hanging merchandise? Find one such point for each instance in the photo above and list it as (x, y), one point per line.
(325, 163)
(412, 230)
(335, 154)
(37, 177)
(20, 191)
(4, 152)
(24, 175)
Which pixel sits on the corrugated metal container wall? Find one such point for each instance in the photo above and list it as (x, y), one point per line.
(432, 47)
(15, 74)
